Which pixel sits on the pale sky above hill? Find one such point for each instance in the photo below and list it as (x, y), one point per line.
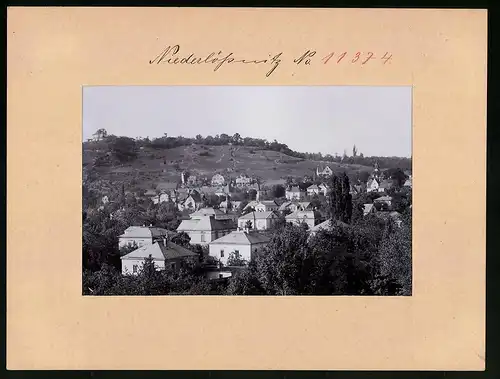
(326, 119)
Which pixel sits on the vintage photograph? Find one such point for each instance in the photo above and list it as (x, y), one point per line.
(247, 190)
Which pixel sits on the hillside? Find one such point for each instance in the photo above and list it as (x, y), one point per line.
(152, 165)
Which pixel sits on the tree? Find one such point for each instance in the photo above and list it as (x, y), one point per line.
(278, 191)
(248, 224)
(245, 282)
(237, 139)
(182, 239)
(395, 254)
(354, 151)
(340, 198)
(123, 149)
(252, 194)
(284, 267)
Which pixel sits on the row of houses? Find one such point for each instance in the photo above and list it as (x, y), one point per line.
(222, 234)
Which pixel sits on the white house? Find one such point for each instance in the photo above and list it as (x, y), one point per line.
(218, 180)
(323, 188)
(372, 185)
(303, 206)
(263, 220)
(251, 204)
(299, 217)
(216, 213)
(99, 135)
(294, 193)
(140, 236)
(164, 254)
(266, 205)
(243, 244)
(233, 205)
(161, 198)
(192, 202)
(243, 180)
(313, 190)
(368, 209)
(324, 171)
(204, 229)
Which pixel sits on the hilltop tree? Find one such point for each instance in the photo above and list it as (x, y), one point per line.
(354, 151)
(237, 139)
(124, 149)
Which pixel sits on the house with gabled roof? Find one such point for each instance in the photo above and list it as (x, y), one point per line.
(218, 180)
(372, 185)
(324, 171)
(323, 188)
(243, 244)
(313, 190)
(203, 229)
(141, 235)
(294, 193)
(262, 220)
(164, 253)
(368, 209)
(266, 205)
(299, 217)
(243, 180)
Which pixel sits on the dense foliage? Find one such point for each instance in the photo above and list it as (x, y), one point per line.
(358, 255)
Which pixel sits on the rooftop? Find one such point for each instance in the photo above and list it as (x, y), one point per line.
(257, 215)
(160, 251)
(300, 215)
(205, 223)
(143, 232)
(241, 238)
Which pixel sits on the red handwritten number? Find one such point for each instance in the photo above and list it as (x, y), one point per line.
(342, 56)
(370, 56)
(356, 57)
(327, 58)
(387, 57)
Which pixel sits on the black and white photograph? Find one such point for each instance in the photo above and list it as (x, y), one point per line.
(247, 190)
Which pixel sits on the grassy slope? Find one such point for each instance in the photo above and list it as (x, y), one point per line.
(153, 165)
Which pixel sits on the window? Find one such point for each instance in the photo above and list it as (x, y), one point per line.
(134, 269)
(202, 237)
(172, 266)
(222, 253)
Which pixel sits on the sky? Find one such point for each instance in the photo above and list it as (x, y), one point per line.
(326, 119)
